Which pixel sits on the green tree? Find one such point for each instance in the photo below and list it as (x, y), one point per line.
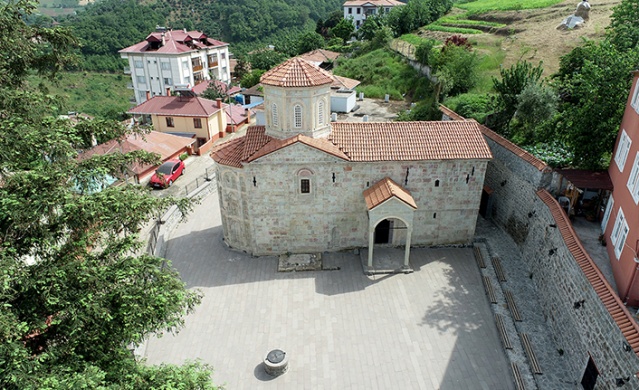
(344, 30)
(372, 24)
(593, 83)
(75, 290)
(623, 31)
(455, 68)
(536, 105)
(242, 67)
(512, 83)
(424, 52)
(265, 59)
(252, 78)
(309, 42)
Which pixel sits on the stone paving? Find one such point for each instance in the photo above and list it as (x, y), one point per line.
(432, 329)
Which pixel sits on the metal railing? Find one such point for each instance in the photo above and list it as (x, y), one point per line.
(209, 175)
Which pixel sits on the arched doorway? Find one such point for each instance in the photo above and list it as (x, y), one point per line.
(383, 232)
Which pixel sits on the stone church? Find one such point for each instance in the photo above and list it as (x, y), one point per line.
(304, 184)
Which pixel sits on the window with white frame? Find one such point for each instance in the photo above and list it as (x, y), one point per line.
(142, 95)
(138, 63)
(168, 81)
(320, 112)
(622, 150)
(185, 65)
(165, 65)
(619, 233)
(606, 217)
(297, 116)
(635, 98)
(140, 79)
(275, 120)
(633, 180)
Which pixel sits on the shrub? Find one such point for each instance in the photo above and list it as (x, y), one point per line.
(184, 156)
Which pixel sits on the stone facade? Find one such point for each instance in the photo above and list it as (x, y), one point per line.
(264, 212)
(580, 331)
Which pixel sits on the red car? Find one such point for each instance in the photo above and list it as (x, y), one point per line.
(167, 173)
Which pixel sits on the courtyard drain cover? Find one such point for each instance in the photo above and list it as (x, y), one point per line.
(276, 356)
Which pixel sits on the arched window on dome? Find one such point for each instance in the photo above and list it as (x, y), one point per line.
(320, 112)
(297, 116)
(275, 121)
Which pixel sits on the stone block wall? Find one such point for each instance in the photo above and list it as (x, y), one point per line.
(265, 213)
(581, 332)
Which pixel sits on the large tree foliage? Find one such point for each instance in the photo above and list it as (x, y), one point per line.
(415, 14)
(593, 82)
(75, 287)
(623, 31)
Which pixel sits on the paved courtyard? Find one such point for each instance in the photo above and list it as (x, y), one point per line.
(432, 329)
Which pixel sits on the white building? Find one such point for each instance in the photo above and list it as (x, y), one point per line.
(301, 184)
(169, 58)
(358, 10)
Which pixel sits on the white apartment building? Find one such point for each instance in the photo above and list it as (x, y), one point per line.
(358, 10)
(167, 58)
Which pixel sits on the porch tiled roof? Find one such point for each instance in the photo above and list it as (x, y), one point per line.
(385, 189)
(296, 72)
(410, 141)
(618, 312)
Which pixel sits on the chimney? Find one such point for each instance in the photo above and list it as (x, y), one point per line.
(163, 39)
(168, 91)
(219, 102)
(148, 95)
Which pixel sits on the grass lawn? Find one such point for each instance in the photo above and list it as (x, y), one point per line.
(96, 94)
(480, 6)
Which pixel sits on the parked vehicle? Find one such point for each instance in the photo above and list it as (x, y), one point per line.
(167, 173)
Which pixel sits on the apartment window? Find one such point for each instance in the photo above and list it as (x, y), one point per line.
(138, 63)
(359, 11)
(350, 11)
(622, 150)
(297, 116)
(223, 55)
(320, 112)
(275, 121)
(635, 98)
(168, 81)
(619, 233)
(140, 79)
(142, 95)
(165, 65)
(358, 22)
(633, 180)
(187, 80)
(197, 123)
(169, 122)
(185, 64)
(606, 217)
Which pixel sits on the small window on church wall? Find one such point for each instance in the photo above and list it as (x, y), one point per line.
(320, 113)
(436, 183)
(274, 119)
(305, 186)
(297, 116)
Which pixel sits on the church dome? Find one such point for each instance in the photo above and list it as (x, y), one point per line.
(296, 72)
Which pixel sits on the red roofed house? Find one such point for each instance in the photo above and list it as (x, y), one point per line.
(188, 116)
(166, 145)
(619, 224)
(358, 10)
(301, 184)
(167, 58)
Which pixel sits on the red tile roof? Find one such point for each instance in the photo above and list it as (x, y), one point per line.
(385, 189)
(620, 315)
(175, 42)
(524, 155)
(410, 141)
(317, 143)
(583, 178)
(177, 106)
(373, 3)
(166, 145)
(201, 87)
(296, 72)
(344, 82)
(320, 55)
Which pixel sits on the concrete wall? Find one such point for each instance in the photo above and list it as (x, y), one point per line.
(581, 332)
(343, 101)
(266, 213)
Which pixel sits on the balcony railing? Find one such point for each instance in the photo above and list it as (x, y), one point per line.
(127, 70)
(197, 68)
(213, 64)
